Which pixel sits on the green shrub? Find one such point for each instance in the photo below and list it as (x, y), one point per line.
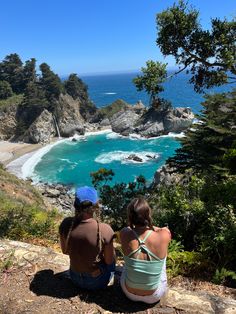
(223, 275)
(22, 221)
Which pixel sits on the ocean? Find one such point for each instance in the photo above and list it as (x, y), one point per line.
(104, 89)
(69, 162)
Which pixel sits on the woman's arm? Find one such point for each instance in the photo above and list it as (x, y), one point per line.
(63, 244)
(109, 253)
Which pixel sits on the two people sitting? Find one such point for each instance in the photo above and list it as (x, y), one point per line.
(89, 244)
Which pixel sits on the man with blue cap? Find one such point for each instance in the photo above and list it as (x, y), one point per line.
(88, 242)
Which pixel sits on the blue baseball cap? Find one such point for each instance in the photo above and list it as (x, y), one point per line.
(86, 193)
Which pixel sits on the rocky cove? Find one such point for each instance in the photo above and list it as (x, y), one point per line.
(26, 124)
(72, 117)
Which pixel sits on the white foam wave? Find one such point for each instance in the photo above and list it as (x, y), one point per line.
(134, 136)
(110, 93)
(23, 166)
(122, 156)
(98, 132)
(113, 135)
(28, 167)
(172, 134)
(68, 161)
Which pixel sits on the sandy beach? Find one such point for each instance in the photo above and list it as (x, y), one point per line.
(10, 151)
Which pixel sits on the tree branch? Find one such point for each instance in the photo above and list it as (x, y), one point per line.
(181, 70)
(206, 63)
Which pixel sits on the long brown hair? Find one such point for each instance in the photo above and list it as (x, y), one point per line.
(80, 209)
(139, 213)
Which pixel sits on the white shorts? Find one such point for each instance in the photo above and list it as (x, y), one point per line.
(153, 298)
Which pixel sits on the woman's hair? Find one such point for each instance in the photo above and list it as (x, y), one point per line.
(80, 209)
(139, 213)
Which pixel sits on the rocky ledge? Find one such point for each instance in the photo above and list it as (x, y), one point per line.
(151, 122)
(58, 196)
(36, 282)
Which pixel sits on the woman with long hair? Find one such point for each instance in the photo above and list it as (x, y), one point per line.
(145, 249)
(88, 242)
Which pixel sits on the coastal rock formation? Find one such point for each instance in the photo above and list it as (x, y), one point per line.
(68, 115)
(38, 279)
(134, 158)
(151, 122)
(57, 195)
(166, 176)
(8, 122)
(124, 122)
(41, 130)
(178, 119)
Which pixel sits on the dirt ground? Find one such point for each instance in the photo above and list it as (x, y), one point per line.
(39, 289)
(42, 290)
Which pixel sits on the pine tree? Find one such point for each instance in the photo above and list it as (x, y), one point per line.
(29, 71)
(210, 145)
(11, 70)
(50, 82)
(5, 90)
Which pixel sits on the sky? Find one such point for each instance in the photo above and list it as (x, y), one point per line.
(91, 36)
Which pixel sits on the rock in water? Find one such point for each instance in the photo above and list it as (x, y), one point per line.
(134, 158)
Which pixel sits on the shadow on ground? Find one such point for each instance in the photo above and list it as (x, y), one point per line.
(59, 285)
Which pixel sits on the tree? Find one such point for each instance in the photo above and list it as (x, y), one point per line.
(210, 55)
(50, 82)
(11, 70)
(75, 87)
(29, 71)
(5, 90)
(210, 145)
(116, 198)
(35, 95)
(154, 74)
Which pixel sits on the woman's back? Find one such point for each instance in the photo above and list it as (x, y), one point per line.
(156, 242)
(142, 264)
(82, 245)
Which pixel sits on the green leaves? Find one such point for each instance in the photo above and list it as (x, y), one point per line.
(209, 148)
(116, 197)
(154, 74)
(208, 54)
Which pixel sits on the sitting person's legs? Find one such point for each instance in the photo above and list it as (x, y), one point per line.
(97, 280)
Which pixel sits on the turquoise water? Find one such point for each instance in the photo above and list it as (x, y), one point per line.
(71, 162)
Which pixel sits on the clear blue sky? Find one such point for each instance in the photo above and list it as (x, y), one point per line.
(91, 36)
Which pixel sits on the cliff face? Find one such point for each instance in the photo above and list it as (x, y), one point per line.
(41, 130)
(39, 123)
(68, 116)
(8, 122)
(36, 124)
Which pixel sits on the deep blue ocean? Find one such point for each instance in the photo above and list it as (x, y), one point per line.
(104, 89)
(71, 162)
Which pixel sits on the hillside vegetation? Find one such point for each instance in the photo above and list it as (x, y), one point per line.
(23, 213)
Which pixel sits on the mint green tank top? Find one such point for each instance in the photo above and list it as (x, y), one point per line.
(143, 274)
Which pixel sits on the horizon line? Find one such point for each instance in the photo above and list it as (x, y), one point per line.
(111, 72)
